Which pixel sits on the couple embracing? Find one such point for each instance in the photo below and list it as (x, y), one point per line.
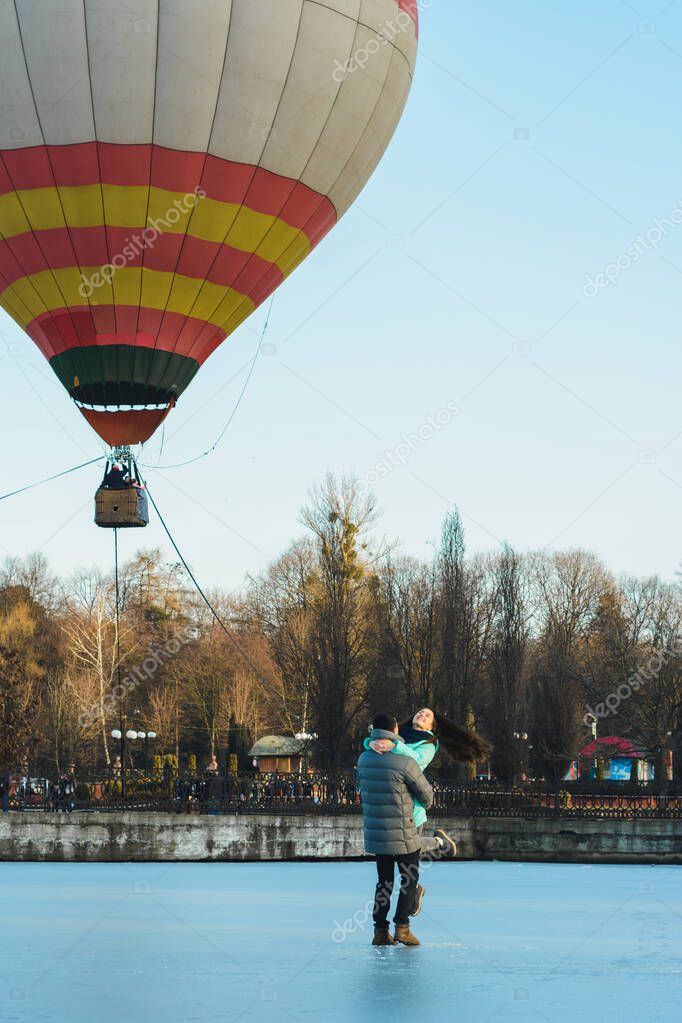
(395, 798)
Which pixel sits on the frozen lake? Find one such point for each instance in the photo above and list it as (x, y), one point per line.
(90, 943)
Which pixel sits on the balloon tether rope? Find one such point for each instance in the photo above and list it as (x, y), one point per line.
(228, 632)
(48, 479)
(233, 413)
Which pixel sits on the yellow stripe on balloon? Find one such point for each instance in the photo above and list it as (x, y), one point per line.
(43, 209)
(52, 290)
(14, 308)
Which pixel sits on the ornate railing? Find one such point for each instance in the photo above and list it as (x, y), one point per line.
(137, 791)
(566, 802)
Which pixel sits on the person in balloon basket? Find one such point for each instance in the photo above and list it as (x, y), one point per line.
(389, 784)
(116, 478)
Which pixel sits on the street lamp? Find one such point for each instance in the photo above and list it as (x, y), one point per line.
(130, 734)
(307, 738)
(146, 736)
(591, 720)
(520, 758)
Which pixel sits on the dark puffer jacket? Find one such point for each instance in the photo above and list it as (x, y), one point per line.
(389, 784)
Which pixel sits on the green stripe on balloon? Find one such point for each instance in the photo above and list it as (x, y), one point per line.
(123, 375)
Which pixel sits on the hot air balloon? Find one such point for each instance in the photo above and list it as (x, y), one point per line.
(165, 166)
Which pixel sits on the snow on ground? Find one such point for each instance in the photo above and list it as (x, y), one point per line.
(216, 943)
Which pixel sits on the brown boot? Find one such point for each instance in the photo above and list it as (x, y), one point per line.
(382, 936)
(421, 892)
(404, 935)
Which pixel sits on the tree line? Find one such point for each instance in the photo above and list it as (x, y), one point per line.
(535, 650)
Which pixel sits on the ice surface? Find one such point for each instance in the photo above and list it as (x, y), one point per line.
(113, 943)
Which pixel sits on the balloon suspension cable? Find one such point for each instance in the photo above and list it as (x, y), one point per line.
(228, 632)
(48, 479)
(122, 706)
(233, 413)
(118, 647)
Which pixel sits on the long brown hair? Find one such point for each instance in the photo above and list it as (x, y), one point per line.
(464, 746)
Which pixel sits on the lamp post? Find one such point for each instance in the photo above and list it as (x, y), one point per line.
(307, 739)
(520, 758)
(146, 736)
(592, 721)
(120, 734)
(132, 735)
(123, 735)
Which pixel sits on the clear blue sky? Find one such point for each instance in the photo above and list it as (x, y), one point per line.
(539, 139)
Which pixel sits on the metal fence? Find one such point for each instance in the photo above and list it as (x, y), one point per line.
(136, 791)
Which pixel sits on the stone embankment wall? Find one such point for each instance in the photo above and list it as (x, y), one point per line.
(167, 837)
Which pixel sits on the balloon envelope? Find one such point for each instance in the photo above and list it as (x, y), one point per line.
(165, 167)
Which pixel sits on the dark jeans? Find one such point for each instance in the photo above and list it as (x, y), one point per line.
(408, 868)
(430, 845)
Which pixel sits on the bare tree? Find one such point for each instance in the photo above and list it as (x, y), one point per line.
(280, 607)
(651, 698)
(466, 619)
(568, 589)
(334, 628)
(339, 518)
(164, 712)
(20, 676)
(454, 627)
(35, 577)
(408, 622)
(99, 648)
(508, 664)
(205, 669)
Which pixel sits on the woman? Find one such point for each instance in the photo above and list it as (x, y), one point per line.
(421, 738)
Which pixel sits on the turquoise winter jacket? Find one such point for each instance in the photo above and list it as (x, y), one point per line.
(423, 753)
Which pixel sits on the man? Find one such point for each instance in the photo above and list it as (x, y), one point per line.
(389, 785)
(116, 478)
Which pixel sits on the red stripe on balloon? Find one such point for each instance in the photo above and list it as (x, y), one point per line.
(92, 163)
(63, 329)
(411, 7)
(29, 254)
(134, 426)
